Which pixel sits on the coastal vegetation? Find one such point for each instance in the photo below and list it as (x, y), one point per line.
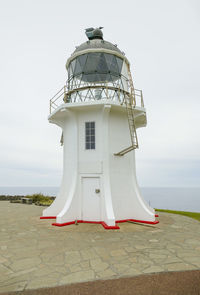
(43, 200)
(194, 215)
(38, 199)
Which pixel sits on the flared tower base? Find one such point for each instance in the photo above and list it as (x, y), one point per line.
(98, 186)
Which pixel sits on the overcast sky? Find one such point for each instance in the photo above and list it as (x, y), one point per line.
(160, 38)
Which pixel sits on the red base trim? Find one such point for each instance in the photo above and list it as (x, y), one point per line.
(48, 217)
(100, 222)
(109, 227)
(104, 224)
(63, 224)
(122, 220)
(85, 221)
(156, 215)
(138, 221)
(144, 221)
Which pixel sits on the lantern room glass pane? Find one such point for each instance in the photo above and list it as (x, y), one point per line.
(91, 63)
(82, 60)
(73, 65)
(119, 62)
(112, 63)
(97, 67)
(102, 65)
(109, 58)
(78, 68)
(124, 70)
(69, 71)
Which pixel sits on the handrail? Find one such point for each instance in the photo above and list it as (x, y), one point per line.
(56, 97)
(58, 92)
(63, 94)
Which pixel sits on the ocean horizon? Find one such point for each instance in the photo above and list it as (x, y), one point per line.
(174, 198)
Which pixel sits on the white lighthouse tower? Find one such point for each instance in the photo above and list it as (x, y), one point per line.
(99, 112)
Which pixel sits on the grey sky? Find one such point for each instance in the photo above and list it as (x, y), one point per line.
(161, 41)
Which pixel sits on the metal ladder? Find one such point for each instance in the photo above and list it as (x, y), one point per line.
(130, 105)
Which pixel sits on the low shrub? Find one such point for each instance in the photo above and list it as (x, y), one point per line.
(40, 198)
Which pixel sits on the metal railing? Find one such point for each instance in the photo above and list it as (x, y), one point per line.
(78, 95)
(55, 101)
(138, 96)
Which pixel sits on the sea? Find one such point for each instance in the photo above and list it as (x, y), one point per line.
(174, 198)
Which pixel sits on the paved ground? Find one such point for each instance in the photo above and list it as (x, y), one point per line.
(34, 254)
(162, 283)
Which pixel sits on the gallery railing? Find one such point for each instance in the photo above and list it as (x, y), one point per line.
(95, 92)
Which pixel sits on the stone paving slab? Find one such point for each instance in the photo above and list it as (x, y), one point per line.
(34, 254)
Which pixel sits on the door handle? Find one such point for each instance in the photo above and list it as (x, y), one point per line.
(97, 190)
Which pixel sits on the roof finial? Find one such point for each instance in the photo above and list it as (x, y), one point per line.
(92, 33)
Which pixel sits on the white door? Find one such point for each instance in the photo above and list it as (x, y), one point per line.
(91, 200)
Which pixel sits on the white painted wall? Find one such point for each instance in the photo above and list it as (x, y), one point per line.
(119, 196)
(127, 200)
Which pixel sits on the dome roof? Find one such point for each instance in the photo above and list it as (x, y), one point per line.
(97, 44)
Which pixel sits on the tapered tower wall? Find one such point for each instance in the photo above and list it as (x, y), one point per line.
(119, 194)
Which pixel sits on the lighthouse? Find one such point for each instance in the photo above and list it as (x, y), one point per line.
(99, 112)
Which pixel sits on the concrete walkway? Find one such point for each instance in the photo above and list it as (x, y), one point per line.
(34, 254)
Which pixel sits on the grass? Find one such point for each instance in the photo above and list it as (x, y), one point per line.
(194, 215)
(46, 203)
(40, 199)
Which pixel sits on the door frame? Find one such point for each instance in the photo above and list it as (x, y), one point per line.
(81, 192)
